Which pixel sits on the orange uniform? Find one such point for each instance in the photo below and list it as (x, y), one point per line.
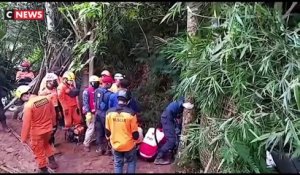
(52, 94)
(38, 120)
(69, 105)
(122, 129)
(22, 75)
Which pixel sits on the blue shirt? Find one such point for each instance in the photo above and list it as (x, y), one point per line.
(174, 109)
(132, 104)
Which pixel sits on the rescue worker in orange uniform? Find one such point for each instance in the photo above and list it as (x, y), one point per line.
(122, 130)
(51, 91)
(25, 73)
(39, 116)
(115, 86)
(67, 94)
(56, 71)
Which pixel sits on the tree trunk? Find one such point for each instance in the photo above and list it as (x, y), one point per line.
(278, 7)
(192, 21)
(192, 26)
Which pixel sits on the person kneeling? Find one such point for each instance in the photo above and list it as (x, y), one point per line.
(122, 130)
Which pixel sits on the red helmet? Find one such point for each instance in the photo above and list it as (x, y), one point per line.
(25, 63)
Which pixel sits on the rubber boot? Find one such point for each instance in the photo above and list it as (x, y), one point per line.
(101, 150)
(4, 126)
(52, 163)
(43, 170)
(160, 160)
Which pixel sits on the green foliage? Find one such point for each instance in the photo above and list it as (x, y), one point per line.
(243, 75)
(36, 58)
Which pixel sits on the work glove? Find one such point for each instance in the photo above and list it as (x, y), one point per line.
(74, 92)
(88, 117)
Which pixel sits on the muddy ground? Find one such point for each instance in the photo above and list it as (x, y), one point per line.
(72, 160)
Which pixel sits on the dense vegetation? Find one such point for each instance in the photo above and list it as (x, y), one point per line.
(244, 74)
(241, 67)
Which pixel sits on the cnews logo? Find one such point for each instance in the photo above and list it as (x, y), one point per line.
(24, 14)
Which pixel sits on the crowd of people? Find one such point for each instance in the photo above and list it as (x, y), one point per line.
(109, 112)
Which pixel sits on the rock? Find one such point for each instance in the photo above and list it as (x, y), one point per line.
(9, 150)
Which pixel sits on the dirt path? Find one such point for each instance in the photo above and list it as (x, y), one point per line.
(72, 160)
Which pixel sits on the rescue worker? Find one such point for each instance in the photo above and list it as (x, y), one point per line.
(2, 113)
(168, 120)
(104, 74)
(39, 116)
(51, 91)
(123, 85)
(25, 73)
(102, 96)
(115, 86)
(122, 130)
(88, 97)
(56, 70)
(67, 94)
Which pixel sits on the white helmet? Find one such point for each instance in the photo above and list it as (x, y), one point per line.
(51, 77)
(118, 76)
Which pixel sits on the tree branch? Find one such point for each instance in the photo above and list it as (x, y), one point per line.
(288, 12)
(144, 36)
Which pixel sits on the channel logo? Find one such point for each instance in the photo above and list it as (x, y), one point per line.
(24, 14)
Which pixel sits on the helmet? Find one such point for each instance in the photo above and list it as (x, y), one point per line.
(51, 77)
(126, 94)
(25, 63)
(105, 72)
(69, 75)
(107, 79)
(21, 90)
(93, 78)
(118, 76)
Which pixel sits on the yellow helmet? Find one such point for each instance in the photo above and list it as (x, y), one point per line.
(21, 90)
(69, 76)
(93, 78)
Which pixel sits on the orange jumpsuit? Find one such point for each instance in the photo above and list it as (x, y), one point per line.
(39, 116)
(52, 94)
(69, 105)
(22, 75)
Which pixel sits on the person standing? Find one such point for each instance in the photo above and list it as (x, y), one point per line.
(102, 96)
(115, 86)
(50, 90)
(88, 97)
(39, 116)
(25, 72)
(67, 94)
(122, 130)
(123, 85)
